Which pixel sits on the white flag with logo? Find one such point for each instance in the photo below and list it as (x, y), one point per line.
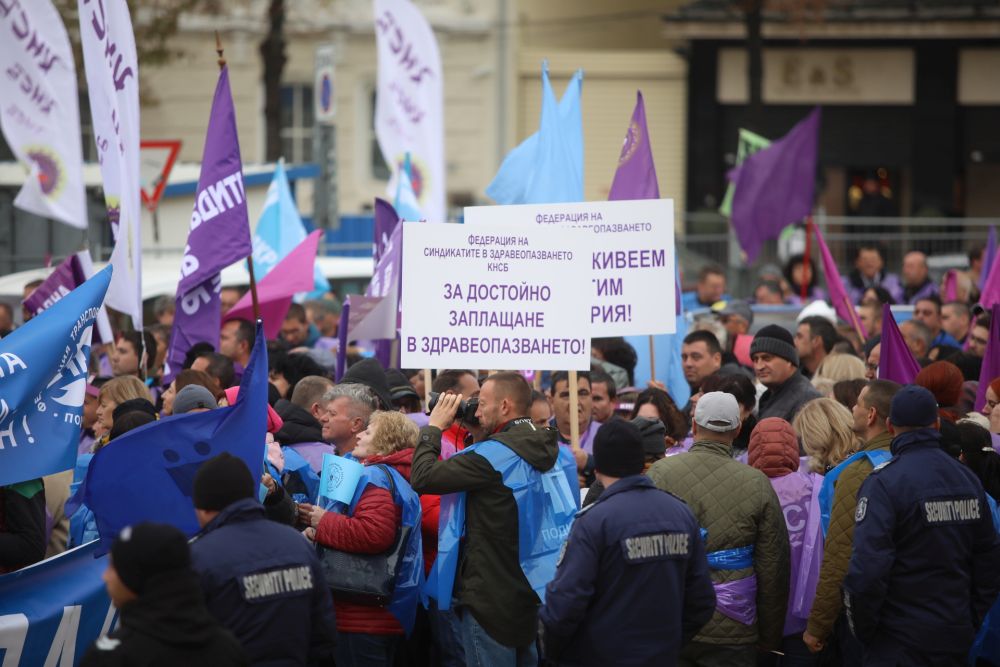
(409, 113)
(113, 86)
(39, 114)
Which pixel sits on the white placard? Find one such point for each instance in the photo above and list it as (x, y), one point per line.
(629, 286)
(493, 298)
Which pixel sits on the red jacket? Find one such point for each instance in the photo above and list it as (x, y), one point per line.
(371, 529)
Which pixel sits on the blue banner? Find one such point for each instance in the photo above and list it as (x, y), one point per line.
(148, 473)
(52, 612)
(43, 379)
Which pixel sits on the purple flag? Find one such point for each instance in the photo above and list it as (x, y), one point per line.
(991, 360)
(74, 271)
(989, 256)
(835, 288)
(219, 234)
(774, 187)
(991, 285)
(386, 220)
(896, 362)
(635, 177)
(386, 283)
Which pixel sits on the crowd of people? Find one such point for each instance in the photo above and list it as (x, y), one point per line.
(814, 513)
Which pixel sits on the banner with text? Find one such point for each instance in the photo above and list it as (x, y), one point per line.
(628, 285)
(508, 299)
(52, 612)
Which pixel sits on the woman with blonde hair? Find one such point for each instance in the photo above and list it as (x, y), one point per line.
(371, 525)
(838, 367)
(825, 430)
(113, 393)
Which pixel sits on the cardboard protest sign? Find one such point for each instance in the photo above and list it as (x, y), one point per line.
(628, 288)
(493, 298)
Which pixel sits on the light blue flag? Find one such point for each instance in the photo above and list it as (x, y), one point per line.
(148, 473)
(547, 167)
(280, 229)
(668, 358)
(43, 380)
(406, 204)
(338, 481)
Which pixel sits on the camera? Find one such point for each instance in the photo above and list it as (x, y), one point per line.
(466, 409)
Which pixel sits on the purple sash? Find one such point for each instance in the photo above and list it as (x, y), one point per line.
(738, 599)
(798, 494)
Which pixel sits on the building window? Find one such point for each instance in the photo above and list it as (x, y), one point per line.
(297, 123)
(379, 168)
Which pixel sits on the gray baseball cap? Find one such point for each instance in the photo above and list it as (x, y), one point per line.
(740, 308)
(193, 397)
(717, 411)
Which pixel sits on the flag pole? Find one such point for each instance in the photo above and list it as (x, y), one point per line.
(854, 319)
(428, 381)
(574, 408)
(253, 278)
(652, 360)
(806, 268)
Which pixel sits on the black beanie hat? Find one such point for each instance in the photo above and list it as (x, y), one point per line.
(134, 405)
(618, 450)
(145, 550)
(370, 373)
(221, 481)
(775, 340)
(653, 434)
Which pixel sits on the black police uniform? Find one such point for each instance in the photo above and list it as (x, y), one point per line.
(263, 581)
(632, 586)
(926, 561)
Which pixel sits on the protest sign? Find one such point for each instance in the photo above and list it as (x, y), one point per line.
(339, 479)
(628, 287)
(490, 298)
(52, 612)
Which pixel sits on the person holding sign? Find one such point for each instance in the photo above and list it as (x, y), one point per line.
(504, 491)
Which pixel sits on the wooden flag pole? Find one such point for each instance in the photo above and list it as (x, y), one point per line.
(652, 360)
(428, 381)
(806, 268)
(574, 409)
(854, 319)
(253, 278)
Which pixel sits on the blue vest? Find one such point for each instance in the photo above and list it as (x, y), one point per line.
(410, 578)
(546, 506)
(876, 456)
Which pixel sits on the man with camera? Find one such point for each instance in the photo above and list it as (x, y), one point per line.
(465, 429)
(494, 484)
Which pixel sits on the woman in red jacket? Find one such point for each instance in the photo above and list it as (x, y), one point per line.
(368, 635)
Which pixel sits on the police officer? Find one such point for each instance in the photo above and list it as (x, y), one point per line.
(926, 561)
(261, 579)
(633, 585)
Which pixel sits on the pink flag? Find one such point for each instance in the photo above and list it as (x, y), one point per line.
(950, 291)
(896, 361)
(291, 275)
(835, 288)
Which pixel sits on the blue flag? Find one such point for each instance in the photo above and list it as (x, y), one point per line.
(547, 167)
(406, 203)
(280, 229)
(43, 379)
(148, 473)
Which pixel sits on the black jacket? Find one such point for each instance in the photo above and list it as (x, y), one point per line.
(22, 525)
(168, 626)
(298, 425)
(263, 581)
(490, 583)
(632, 587)
(926, 561)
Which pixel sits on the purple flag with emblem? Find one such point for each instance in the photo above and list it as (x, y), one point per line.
(896, 362)
(991, 359)
(635, 177)
(775, 186)
(219, 234)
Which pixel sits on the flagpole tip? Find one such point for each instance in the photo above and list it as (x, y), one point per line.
(218, 50)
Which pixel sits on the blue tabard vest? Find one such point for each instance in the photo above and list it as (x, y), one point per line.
(410, 578)
(546, 506)
(297, 465)
(876, 456)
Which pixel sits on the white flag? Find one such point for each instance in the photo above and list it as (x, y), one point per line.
(409, 115)
(113, 86)
(38, 114)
